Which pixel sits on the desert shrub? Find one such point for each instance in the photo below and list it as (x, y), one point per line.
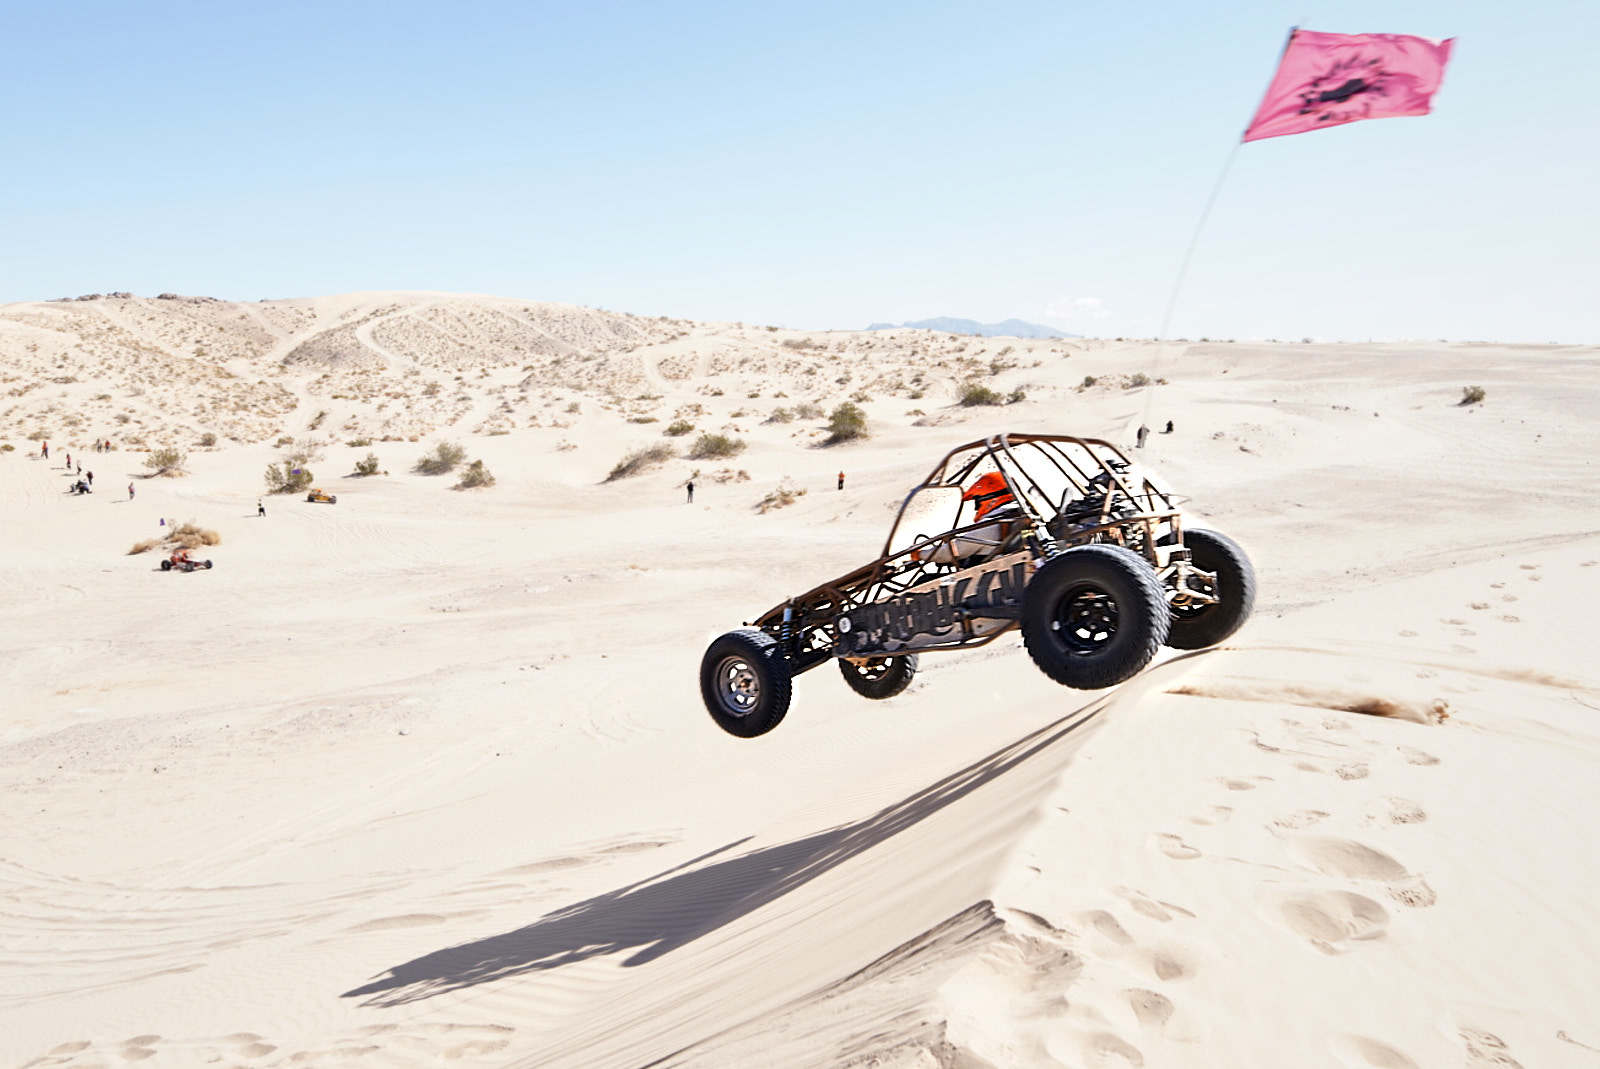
(283, 441)
(846, 422)
(643, 419)
(191, 535)
(302, 452)
(786, 494)
(367, 465)
(145, 546)
(1471, 395)
(574, 408)
(976, 393)
(444, 457)
(1137, 380)
(475, 475)
(358, 443)
(798, 343)
(7, 448)
(780, 415)
(207, 440)
(639, 460)
(316, 421)
(715, 445)
(288, 477)
(167, 460)
(808, 410)
(678, 428)
(1088, 381)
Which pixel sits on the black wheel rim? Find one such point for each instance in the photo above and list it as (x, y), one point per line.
(738, 686)
(1085, 620)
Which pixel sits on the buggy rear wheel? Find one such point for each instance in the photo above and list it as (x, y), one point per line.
(1194, 627)
(166, 566)
(208, 566)
(1094, 616)
(745, 683)
(879, 677)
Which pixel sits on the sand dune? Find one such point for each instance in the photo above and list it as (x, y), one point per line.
(424, 775)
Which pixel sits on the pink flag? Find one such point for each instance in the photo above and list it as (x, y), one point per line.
(1328, 79)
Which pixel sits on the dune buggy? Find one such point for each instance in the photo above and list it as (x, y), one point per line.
(1062, 537)
(182, 562)
(322, 496)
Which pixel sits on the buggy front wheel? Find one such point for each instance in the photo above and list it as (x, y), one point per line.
(1094, 616)
(1196, 626)
(745, 682)
(879, 677)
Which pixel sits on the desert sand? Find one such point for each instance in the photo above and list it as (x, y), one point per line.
(425, 775)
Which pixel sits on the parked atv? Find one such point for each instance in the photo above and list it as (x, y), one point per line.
(1060, 537)
(181, 561)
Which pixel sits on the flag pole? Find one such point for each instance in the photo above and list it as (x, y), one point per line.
(1194, 238)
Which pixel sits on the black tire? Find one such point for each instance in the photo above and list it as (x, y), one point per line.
(1195, 628)
(745, 683)
(166, 566)
(333, 500)
(880, 677)
(1094, 616)
(208, 566)
(311, 498)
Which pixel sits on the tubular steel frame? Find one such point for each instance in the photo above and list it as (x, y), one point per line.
(1139, 516)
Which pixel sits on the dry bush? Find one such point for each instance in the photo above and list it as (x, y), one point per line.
(678, 428)
(846, 423)
(207, 440)
(192, 536)
(786, 494)
(304, 451)
(444, 458)
(145, 546)
(475, 475)
(1088, 381)
(780, 415)
(368, 465)
(1471, 395)
(288, 478)
(639, 460)
(168, 461)
(710, 446)
(1137, 380)
(1016, 395)
(808, 410)
(976, 393)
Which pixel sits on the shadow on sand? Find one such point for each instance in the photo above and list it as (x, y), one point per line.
(656, 916)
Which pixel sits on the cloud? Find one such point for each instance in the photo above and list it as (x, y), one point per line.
(1076, 308)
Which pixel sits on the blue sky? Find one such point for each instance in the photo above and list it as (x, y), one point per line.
(814, 164)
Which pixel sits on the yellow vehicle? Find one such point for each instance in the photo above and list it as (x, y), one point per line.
(323, 495)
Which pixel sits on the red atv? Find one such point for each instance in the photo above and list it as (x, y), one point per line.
(181, 561)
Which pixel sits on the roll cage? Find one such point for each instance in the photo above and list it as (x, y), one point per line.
(1067, 491)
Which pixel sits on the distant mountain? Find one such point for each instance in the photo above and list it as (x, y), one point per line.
(1010, 328)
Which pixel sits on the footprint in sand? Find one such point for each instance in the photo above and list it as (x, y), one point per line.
(1242, 784)
(1408, 634)
(1361, 1052)
(1353, 771)
(1169, 967)
(1333, 856)
(1508, 597)
(1509, 619)
(1151, 1008)
(1108, 926)
(1106, 1049)
(1217, 814)
(1174, 847)
(1405, 811)
(1480, 605)
(1333, 920)
(1144, 905)
(1300, 818)
(1357, 861)
(1486, 1048)
(1417, 757)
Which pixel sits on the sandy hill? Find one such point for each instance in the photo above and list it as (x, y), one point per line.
(424, 776)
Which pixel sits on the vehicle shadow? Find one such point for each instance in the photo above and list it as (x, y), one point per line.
(664, 912)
